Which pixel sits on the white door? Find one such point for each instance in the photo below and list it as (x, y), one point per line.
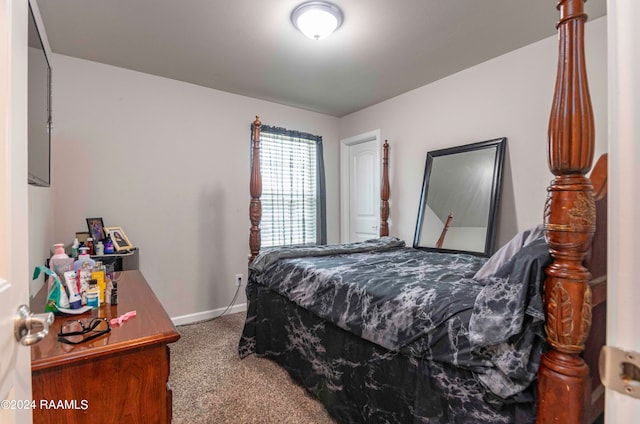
(623, 290)
(15, 359)
(361, 187)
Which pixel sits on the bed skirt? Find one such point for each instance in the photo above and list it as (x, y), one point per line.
(361, 382)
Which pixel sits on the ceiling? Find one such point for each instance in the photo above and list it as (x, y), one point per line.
(249, 47)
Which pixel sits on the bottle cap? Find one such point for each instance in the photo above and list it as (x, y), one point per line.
(84, 250)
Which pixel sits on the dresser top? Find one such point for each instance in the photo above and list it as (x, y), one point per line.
(151, 325)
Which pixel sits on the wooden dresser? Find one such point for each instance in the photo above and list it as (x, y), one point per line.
(120, 377)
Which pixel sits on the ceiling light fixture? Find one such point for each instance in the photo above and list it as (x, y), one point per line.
(316, 19)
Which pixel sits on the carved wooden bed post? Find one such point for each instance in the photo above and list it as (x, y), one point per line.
(384, 192)
(563, 377)
(255, 207)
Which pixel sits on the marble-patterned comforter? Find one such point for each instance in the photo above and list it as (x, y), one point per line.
(409, 303)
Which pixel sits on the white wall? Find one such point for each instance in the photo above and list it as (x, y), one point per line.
(507, 96)
(169, 163)
(41, 238)
(431, 228)
(471, 239)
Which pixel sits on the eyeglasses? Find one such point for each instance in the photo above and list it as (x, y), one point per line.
(80, 331)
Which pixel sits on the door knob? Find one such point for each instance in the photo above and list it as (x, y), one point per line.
(25, 321)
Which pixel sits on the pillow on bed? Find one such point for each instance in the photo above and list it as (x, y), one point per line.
(507, 251)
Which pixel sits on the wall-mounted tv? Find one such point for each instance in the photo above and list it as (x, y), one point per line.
(39, 106)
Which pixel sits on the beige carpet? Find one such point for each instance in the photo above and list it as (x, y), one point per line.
(212, 385)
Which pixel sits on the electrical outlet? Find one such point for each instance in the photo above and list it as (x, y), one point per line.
(239, 278)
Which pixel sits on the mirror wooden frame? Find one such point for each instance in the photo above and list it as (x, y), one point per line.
(499, 144)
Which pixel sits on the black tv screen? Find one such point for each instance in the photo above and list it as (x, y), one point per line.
(39, 107)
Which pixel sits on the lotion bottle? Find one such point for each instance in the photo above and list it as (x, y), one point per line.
(59, 252)
(82, 258)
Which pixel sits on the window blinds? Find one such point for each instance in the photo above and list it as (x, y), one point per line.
(289, 192)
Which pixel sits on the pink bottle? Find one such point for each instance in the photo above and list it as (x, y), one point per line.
(59, 252)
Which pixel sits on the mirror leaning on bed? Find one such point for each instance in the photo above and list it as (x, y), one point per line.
(460, 198)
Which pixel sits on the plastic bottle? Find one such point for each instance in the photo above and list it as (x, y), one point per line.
(99, 249)
(74, 248)
(82, 258)
(58, 263)
(59, 252)
(90, 245)
(108, 246)
(107, 294)
(98, 274)
(93, 294)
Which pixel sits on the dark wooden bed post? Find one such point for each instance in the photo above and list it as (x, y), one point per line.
(384, 192)
(255, 207)
(563, 378)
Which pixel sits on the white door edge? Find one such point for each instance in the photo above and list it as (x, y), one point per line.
(623, 290)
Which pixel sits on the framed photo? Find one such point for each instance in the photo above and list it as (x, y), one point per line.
(118, 238)
(82, 236)
(96, 228)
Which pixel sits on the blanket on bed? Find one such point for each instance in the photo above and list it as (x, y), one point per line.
(422, 304)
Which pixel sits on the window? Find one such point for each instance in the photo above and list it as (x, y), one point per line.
(292, 188)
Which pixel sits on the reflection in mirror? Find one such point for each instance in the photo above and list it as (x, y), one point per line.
(39, 108)
(460, 198)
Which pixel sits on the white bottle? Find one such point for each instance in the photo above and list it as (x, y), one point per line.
(74, 248)
(99, 249)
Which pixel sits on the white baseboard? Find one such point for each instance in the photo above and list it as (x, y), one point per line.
(205, 315)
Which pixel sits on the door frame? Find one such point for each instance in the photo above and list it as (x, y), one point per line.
(345, 167)
(623, 290)
(14, 231)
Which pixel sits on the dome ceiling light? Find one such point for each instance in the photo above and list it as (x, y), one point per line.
(316, 19)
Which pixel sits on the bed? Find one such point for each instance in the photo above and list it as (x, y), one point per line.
(380, 332)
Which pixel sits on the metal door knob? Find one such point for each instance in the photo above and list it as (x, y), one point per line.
(25, 321)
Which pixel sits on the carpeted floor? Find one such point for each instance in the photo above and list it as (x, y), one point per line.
(212, 385)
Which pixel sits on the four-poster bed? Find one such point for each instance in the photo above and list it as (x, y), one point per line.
(327, 351)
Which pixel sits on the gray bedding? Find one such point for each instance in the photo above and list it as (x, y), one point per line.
(421, 305)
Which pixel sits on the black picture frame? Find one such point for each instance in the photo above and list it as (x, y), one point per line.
(96, 228)
(492, 153)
